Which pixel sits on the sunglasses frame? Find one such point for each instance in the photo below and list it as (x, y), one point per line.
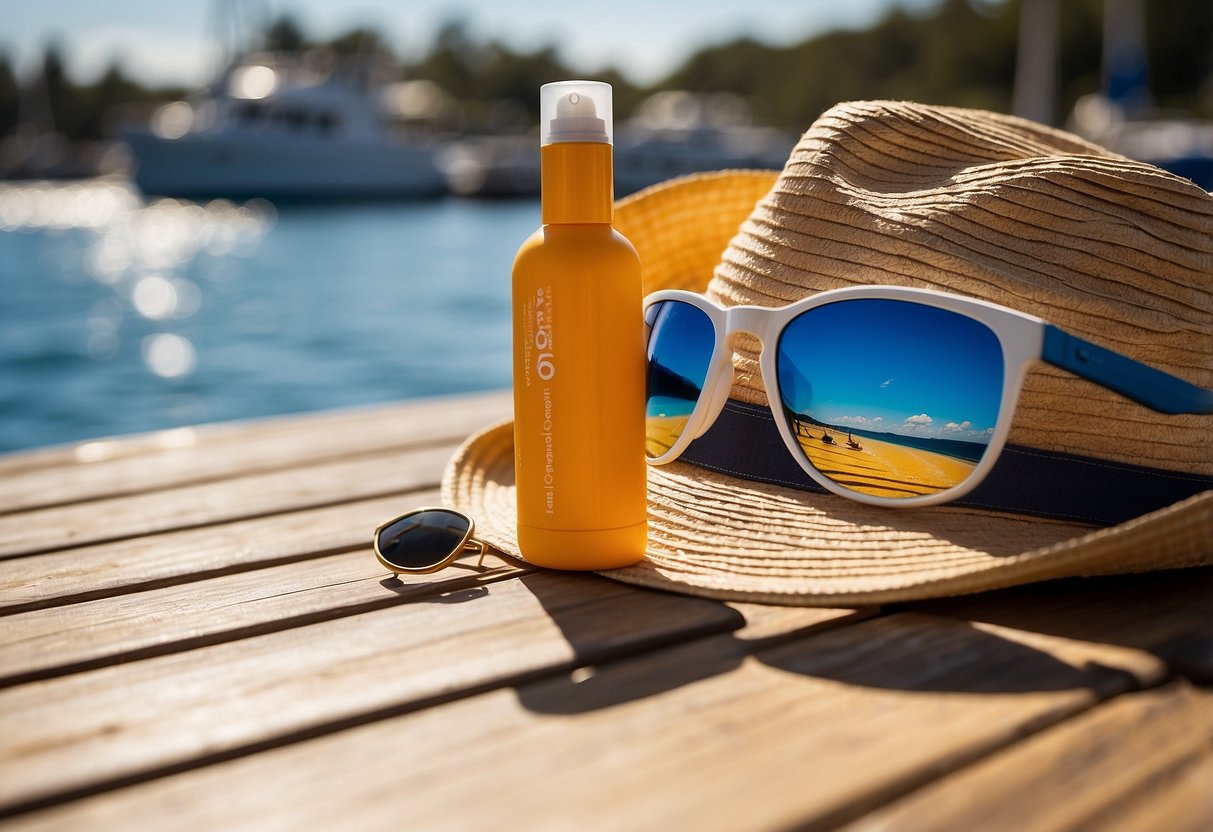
(469, 543)
(1025, 340)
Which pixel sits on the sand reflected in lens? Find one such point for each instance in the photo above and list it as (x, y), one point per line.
(882, 469)
(661, 432)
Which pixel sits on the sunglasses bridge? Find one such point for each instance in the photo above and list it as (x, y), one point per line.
(742, 323)
(754, 321)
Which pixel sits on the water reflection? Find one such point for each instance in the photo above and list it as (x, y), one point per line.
(140, 250)
(157, 298)
(335, 305)
(168, 355)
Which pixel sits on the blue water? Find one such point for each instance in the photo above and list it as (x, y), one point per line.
(117, 316)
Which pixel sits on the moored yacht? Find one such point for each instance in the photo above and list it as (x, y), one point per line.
(275, 128)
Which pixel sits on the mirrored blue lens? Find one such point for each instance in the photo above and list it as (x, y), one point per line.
(890, 398)
(680, 342)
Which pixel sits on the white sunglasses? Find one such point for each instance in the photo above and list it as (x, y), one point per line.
(886, 395)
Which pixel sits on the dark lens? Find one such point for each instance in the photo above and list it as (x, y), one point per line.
(890, 398)
(423, 538)
(680, 343)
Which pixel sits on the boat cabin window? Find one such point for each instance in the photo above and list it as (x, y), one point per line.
(248, 113)
(292, 118)
(327, 123)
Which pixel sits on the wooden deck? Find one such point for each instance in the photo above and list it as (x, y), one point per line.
(196, 635)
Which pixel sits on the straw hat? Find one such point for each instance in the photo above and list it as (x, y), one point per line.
(964, 201)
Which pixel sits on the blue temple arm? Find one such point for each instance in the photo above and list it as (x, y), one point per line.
(1143, 384)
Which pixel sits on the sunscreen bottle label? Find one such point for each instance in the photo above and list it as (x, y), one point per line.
(539, 364)
(539, 369)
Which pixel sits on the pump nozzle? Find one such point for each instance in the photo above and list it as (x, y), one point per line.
(575, 111)
(574, 105)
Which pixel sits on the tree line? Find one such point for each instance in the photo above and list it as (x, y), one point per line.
(959, 52)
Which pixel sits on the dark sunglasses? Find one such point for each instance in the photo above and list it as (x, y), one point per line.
(426, 540)
(886, 395)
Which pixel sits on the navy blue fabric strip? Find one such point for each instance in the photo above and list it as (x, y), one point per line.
(744, 442)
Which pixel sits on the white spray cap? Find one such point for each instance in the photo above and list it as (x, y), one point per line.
(575, 111)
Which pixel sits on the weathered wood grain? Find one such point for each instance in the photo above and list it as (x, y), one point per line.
(175, 557)
(704, 735)
(194, 635)
(1183, 802)
(181, 709)
(1083, 773)
(61, 640)
(1168, 613)
(130, 465)
(767, 623)
(323, 484)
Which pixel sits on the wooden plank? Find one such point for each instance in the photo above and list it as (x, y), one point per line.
(1182, 803)
(203, 455)
(701, 735)
(57, 641)
(1083, 773)
(136, 720)
(766, 624)
(1166, 613)
(130, 465)
(108, 569)
(50, 529)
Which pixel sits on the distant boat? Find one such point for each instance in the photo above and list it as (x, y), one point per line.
(271, 127)
(492, 166)
(1122, 117)
(1182, 145)
(676, 132)
(672, 134)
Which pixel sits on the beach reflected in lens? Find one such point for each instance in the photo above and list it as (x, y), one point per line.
(890, 398)
(680, 343)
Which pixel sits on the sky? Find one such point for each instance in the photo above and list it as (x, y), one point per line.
(176, 41)
(891, 366)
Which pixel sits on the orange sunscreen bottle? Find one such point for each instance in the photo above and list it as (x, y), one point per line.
(578, 352)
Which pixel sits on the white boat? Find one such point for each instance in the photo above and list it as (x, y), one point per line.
(275, 129)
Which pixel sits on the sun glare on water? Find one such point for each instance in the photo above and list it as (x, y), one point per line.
(141, 251)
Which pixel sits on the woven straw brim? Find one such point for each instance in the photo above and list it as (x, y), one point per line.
(973, 203)
(722, 537)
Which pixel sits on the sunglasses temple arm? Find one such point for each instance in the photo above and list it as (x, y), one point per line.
(1143, 384)
(478, 546)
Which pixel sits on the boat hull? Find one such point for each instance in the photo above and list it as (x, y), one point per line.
(200, 165)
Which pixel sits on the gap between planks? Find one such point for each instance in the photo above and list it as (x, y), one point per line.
(199, 506)
(1113, 760)
(175, 557)
(142, 720)
(60, 641)
(704, 734)
(112, 459)
(921, 654)
(194, 456)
